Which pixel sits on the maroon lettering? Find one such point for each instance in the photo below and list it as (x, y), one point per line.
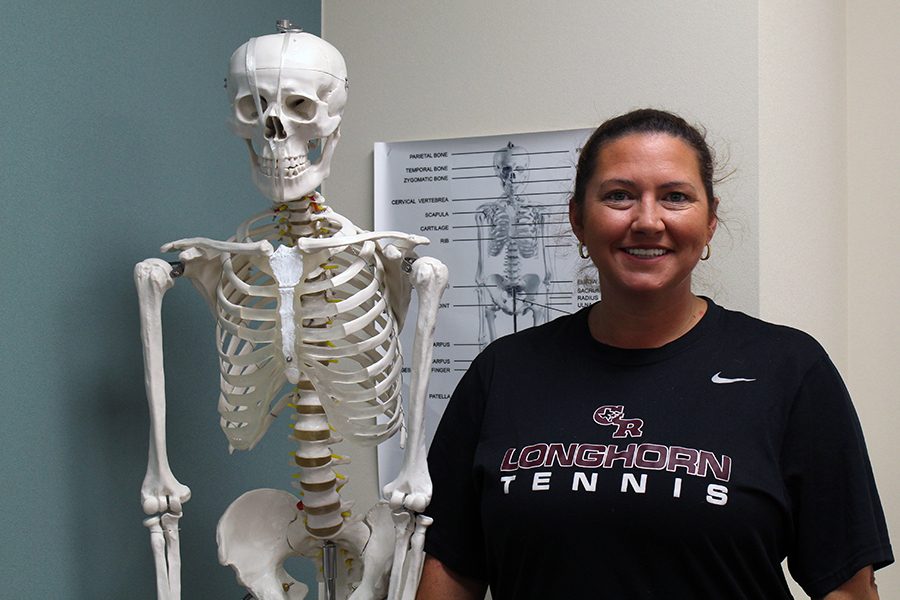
(533, 456)
(683, 457)
(589, 456)
(609, 414)
(561, 455)
(651, 456)
(613, 453)
(612, 414)
(509, 464)
(709, 462)
(628, 427)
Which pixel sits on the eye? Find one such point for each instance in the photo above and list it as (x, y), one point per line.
(617, 196)
(677, 198)
(246, 107)
(301, 107)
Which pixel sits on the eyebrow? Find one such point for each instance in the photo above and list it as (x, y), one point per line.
(625, 182)
(665, 186)
(675, 184)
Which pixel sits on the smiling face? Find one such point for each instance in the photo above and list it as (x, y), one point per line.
(645, 218)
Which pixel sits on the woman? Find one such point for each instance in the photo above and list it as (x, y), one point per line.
(654, 445)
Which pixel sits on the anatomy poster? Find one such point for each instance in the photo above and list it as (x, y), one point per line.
(496, 211)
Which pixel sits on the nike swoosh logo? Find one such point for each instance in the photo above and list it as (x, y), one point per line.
(717, 378)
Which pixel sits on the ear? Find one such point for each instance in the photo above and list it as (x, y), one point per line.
(575, 220)
(713, 219)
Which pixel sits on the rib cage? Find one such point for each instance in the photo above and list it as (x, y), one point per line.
(512, 226)
(346, 338)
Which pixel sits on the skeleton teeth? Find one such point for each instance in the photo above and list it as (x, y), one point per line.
(645, 252)
(289, 166)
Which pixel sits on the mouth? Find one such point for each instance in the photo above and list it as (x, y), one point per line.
(282, 167)
(645, 252)
(286, 167)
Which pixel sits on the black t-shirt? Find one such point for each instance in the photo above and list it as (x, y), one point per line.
(566, 468)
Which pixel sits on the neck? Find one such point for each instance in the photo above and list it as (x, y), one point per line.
(285, 222)
(644, 322)
(301, 206)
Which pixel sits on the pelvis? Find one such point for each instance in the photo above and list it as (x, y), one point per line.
(264, 527)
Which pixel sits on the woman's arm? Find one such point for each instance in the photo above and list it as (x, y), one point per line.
(440, 583)
(859, 587)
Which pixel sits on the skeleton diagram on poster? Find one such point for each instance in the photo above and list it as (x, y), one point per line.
(496, 211)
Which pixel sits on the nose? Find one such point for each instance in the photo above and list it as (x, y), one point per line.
(274, 128)
(648, 217)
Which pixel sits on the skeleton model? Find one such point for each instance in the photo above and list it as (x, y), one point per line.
(308, 310)
(513, 231)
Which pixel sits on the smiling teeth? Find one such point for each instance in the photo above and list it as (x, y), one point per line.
(645, 252)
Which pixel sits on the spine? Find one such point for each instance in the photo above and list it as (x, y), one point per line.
(318, 482)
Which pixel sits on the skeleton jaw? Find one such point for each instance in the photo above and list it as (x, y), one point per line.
(287, 167)
(290, 176)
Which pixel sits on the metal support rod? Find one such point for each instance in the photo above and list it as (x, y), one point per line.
(515, 310)
(329, 569)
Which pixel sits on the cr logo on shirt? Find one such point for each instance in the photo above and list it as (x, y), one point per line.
(612, 415)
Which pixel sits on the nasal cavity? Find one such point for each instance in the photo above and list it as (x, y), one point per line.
(274, 129)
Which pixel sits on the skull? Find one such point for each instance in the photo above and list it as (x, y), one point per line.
(288, 92)
(511, 165)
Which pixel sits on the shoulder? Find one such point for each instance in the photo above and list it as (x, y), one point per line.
(776, 340)
(781, 357)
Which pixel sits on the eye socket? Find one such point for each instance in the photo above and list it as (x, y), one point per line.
(677, 197)
(300, 107)
(324, 92)
(246, 107)
(617, 196)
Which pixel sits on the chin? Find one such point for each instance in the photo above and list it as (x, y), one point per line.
(286, 189)
(648, 287)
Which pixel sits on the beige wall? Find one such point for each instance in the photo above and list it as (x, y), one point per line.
(829, 145)
(873, 216)
(796, 96)
(802, 169)
(435, 69)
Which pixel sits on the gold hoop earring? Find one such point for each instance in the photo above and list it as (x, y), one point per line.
(582, 251)
(707, 254)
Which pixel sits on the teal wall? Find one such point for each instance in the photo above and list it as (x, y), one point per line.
(113, 142)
